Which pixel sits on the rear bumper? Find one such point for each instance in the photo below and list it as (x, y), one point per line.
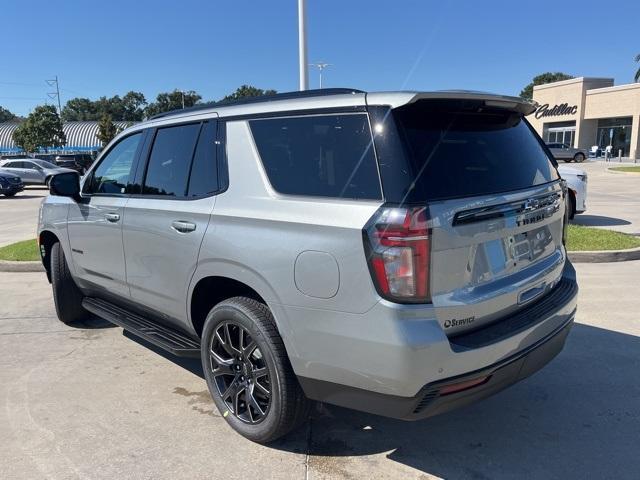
(429, 401)
(400, 371)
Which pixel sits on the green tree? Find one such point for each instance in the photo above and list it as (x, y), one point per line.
(548, 77)
(41, 129)
(129, 108)
(248, 91)
(175, 100)
(107, 130)
(133, 104)
(6, 115)
(79, 110)
(637, 75)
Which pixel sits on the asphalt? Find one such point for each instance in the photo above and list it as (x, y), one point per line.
(88, 401)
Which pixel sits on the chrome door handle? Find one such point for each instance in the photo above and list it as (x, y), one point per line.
(112, 217)
(183, 227)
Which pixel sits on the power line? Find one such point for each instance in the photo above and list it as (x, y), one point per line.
(20, 84)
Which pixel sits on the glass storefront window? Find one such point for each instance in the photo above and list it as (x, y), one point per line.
(560, 132)
(615, 132)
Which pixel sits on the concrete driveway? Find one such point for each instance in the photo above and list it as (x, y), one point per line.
(19, 215)
(87, 401)
(613, 198)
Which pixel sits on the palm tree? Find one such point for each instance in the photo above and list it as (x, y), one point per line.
(637, 77)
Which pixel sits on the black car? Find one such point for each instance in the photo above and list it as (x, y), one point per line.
(10, 184)
(77, 161)
(80, 162)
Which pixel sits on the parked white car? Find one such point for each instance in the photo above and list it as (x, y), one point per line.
(577, 183)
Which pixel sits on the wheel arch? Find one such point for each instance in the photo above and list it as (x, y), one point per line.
(211, 290)
(574, 199)
(46, 240)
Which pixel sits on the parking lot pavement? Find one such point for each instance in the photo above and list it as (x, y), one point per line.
(88, 401)
(19, 215)
(613, 199)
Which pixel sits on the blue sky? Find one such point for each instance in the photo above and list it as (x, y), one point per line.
(213, 46)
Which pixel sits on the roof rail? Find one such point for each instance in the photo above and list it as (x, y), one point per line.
(259, 99)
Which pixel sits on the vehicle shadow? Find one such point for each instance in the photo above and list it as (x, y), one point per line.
(192, 365)
(598, 221)
(579, 417)
(92, 323)
(21, 197)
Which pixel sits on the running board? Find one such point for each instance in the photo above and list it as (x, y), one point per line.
(161, 336)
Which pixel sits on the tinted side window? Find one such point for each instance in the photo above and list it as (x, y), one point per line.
(170, 160)
(204, 172)
(323, 155)
(114, 171)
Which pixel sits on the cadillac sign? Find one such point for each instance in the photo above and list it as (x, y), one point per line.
(556, 110)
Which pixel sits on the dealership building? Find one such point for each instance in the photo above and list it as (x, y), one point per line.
(585, 112)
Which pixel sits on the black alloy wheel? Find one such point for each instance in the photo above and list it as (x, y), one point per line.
(248, 372)
(240, 372)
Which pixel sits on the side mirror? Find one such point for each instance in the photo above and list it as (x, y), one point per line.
(65, 185)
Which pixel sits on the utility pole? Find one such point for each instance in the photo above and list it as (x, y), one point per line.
(320, 66)
(182, 92)
(302, 44)
(55, 94)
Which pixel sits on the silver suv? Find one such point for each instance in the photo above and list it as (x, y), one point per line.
(398, 253)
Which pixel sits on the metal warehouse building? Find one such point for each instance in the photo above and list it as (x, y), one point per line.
(81, 136)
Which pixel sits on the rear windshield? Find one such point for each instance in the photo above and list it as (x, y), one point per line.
(460, 149)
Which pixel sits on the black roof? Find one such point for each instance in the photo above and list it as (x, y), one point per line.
(260, 99)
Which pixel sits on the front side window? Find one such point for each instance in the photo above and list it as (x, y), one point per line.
(170, 160)
(319, 155)
(114, 171)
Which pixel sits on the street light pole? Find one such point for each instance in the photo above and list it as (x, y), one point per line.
(320, 66)
(302, 44)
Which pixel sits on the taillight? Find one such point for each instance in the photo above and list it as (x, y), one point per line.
(398, 245)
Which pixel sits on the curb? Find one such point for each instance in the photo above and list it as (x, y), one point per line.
(617, 172)
(9, 266)
(604, 256)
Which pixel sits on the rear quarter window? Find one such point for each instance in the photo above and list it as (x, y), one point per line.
(170, 160)
(319, 155)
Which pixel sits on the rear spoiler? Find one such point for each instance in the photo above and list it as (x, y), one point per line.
(398, 99)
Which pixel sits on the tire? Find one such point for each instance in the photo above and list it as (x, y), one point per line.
(572, 205)
(66, 294)
(579, 157)
(230, 331)
(12, 194)
(568, 160)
